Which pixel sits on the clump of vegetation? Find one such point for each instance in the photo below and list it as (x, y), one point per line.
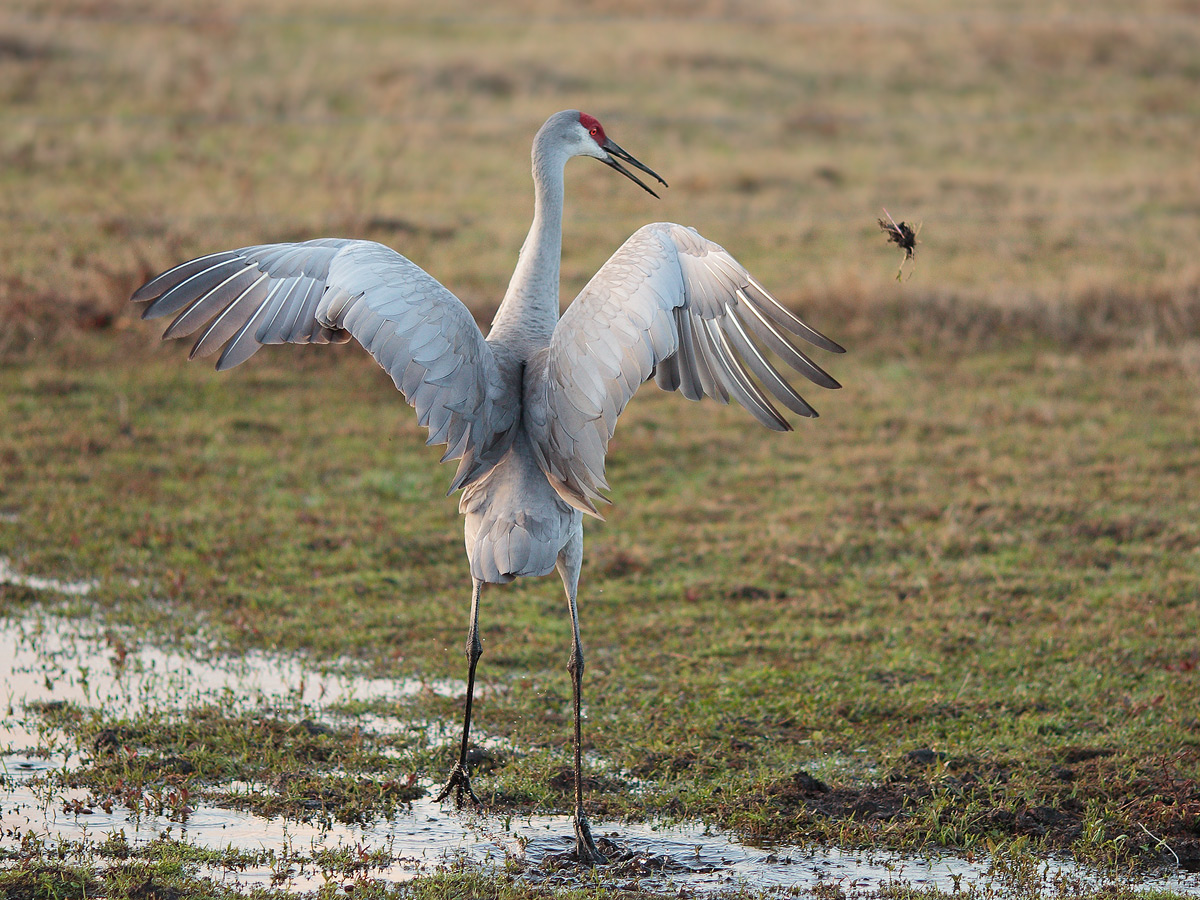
(903, 235)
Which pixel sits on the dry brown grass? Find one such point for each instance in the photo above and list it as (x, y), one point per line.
(1050, 156)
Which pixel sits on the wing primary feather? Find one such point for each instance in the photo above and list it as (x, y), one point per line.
(284, 306)
(244, 344)
(187, 291)
(785, 317)
(232, 318)
(306, 319)
(735, 332)
(737, 380)
(789, 352)
(690, 384)
(216, 299)
(685, 356)
(702, 352)
(288, 324)
(156, 287)
(748, 385)
(266, 311)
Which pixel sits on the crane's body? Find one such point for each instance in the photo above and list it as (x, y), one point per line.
(516, 523)
(529, 410)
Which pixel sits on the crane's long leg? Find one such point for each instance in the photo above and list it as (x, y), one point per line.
(460, 779)
(570, 559)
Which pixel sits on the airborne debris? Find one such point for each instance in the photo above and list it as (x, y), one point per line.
(903, 235)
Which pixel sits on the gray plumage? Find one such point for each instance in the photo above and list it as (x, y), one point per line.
(529, 410)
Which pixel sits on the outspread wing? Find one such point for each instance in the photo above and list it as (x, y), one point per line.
(676, 305)
(330, 290)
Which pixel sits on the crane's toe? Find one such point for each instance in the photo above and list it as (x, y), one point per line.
(585, 847)
(458, 784)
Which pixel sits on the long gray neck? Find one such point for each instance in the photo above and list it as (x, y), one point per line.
(529, 311)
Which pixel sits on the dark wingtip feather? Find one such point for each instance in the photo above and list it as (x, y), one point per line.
(176, 275)
(145, 294)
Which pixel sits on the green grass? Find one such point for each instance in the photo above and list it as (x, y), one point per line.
(992, 558)
(985, 551)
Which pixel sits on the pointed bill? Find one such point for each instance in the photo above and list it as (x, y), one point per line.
(616, 153)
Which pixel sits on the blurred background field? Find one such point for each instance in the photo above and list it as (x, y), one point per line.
(986, 552)
(1049, 151)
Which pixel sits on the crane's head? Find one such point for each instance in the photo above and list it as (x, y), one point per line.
(610, 153)
(583, 135)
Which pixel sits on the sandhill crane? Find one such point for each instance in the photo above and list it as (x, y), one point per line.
(529, 410)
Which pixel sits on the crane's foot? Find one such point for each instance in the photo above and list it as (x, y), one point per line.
(585, 847)
(458, 784)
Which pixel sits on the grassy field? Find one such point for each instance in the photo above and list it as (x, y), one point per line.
(961, 609)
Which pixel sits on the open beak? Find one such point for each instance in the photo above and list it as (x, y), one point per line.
(615, 153)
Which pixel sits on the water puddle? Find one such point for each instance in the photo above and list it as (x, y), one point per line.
(428, 838)
(55, 660)
(49, 659)
(9, 575)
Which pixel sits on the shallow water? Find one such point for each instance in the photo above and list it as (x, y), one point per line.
(54, 660)
(46, 659)
(428, 837)
(9, 575)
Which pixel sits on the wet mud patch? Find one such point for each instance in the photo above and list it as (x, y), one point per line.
(804, 794)
(1161, 807)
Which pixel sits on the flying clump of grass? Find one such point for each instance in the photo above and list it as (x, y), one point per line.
(902, 234)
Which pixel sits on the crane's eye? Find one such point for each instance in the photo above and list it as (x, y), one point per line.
(593, 131)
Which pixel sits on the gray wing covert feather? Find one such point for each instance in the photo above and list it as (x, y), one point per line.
(672, 304)
(331, 290)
